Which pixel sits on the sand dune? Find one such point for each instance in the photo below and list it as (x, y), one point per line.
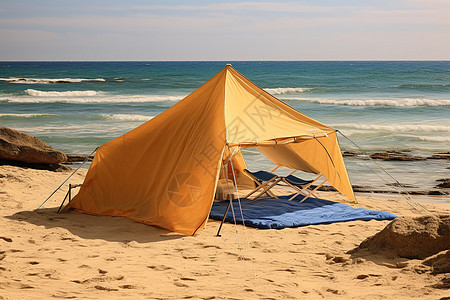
(74, 255)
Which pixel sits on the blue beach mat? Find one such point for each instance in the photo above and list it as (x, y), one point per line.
(280, 213)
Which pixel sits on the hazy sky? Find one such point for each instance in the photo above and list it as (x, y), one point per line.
(224, 30)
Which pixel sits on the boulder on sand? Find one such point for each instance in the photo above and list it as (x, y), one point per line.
(19, 146)
(414, 238)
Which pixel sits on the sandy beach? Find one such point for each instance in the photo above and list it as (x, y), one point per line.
(72, 255)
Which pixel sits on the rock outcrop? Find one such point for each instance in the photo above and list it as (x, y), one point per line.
(445, 155)
(444, 183)
(19, 146)
(393, 155)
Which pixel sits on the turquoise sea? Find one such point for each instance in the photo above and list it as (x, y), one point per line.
(381, 106)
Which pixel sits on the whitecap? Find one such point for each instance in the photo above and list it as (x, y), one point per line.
(288, 90)
(401, 102)
(439, 139)
(37, 93)
(26, 115)
(394, 127)
(99, 98)
(126, 117)
(48, 80)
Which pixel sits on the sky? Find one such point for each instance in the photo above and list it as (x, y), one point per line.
(224, 30)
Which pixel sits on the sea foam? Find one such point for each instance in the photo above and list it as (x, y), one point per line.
(288, 90)
(27, 116)
(395, 127)
(48, 80)
(400, 102)
(126, 117)
(438, 139)
(37, 93)
(87, 97)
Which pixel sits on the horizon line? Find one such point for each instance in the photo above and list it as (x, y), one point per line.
(268, 60)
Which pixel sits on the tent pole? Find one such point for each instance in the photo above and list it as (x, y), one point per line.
(223, 219)
(225, 172)
(236, 186)
(64, 200)
(87, 157)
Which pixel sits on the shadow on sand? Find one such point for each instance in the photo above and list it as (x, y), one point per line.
(112, 229)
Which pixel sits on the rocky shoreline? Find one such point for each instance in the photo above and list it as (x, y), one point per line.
(400, 156)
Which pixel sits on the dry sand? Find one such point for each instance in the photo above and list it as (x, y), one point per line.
(72, 255)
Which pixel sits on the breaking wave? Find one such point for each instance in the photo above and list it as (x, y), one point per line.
(87, 98)
(37, 93)
(439, 139)
(126, 117)
(401, 102)
(395, 127)
(26, 116)
(282, 91)
(48, 80)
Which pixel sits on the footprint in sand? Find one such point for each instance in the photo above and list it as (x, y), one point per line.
(84, 266)
(190, 257)
(102, 288)
(255, 244)
(188, 279)
(128, 286)
(159, 268)
(6, 239)
(211, 246)
(179, 284)
(99, 279)
(292, 271)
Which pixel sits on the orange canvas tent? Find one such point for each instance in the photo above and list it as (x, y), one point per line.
(165, 172)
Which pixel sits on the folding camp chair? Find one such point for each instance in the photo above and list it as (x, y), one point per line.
(264, 180)
(267, 180)
(301, 185)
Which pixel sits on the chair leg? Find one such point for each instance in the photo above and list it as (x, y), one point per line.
(260, 186)
(276, 168)
(304, 188)
(312, 192)
(271, 194)
(266, 189)
(255, 190)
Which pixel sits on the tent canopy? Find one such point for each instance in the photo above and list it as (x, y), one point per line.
(165, 171)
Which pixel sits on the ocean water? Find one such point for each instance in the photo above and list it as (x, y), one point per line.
(380, 106)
